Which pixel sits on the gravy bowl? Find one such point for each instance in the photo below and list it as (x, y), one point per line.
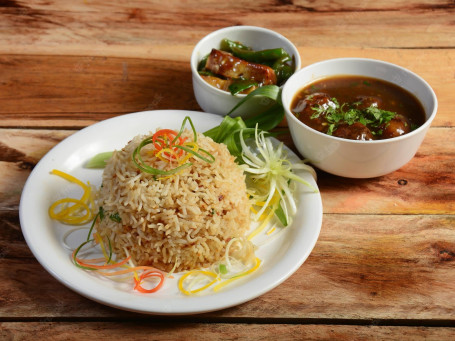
(354, 158)
(216, 101)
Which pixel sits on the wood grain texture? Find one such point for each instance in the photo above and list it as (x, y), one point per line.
(36, 91)
(36, 26)
(384, 265)
(73, 92)
(363, 267)
(428, 186)
(54, 331)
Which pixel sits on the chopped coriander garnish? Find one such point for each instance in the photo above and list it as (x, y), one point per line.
(336, 114)
(101, 212)
(115, 217)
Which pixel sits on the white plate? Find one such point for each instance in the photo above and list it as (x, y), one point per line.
(281, 257)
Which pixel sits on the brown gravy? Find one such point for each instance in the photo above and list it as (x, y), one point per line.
(358, 93)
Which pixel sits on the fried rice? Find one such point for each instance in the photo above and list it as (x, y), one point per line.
(179, 222)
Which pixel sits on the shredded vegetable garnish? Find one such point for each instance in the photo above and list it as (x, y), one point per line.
(271, 182)
(99, 160)
(73, 211)
(170, 146)
(193, 275)
(106, 266)
(239, 261)
(271, 176)
(247, 272)
(147, 274)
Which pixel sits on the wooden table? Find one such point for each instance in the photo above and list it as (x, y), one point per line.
(384, 265)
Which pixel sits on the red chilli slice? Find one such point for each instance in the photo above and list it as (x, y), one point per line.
(164, 138)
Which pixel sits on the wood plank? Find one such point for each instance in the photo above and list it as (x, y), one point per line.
(363, 267)
(53, 331)
(426, 185)
(37, 26)
(98, 86)
(429, 185)
(35, 92)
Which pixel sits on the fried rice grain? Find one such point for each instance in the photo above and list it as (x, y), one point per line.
(184, 220)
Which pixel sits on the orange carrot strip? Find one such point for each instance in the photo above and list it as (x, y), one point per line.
(145, 275)
(94, 260)
(125, 271)
(103, 267)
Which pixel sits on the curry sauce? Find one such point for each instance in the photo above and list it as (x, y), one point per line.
(359, 108)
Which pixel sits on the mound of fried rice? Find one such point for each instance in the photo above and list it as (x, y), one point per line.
(185, 220)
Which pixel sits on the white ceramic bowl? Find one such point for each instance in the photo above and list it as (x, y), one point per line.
(351, 158)
(220, 102)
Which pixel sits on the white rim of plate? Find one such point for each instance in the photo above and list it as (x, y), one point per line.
(41, 236)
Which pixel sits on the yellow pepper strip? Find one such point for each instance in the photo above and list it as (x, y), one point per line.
(195, 147)
(272, 206)
(135, 274)
(269, 232)
(166, 150)
(262, 225)
(70, 178)
(226, 282)
(72, 214)
(180, 160)
(75, 208)
(197, 272)
(99, 240)
(66, 214)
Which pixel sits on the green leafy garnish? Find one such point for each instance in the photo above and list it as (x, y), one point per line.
(336, 114)
(115, 217)
(269, 91)
(228, 132)
(101, 213)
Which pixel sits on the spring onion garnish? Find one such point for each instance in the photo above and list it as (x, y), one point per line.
(99, 160)
(70, 210)
(271, 177)
(170, 146)
(239, 261)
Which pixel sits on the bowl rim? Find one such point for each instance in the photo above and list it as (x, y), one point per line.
(422, 128)
(194, 61)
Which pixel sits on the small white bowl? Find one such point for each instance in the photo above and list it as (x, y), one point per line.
(352, 158)
(220, 102)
